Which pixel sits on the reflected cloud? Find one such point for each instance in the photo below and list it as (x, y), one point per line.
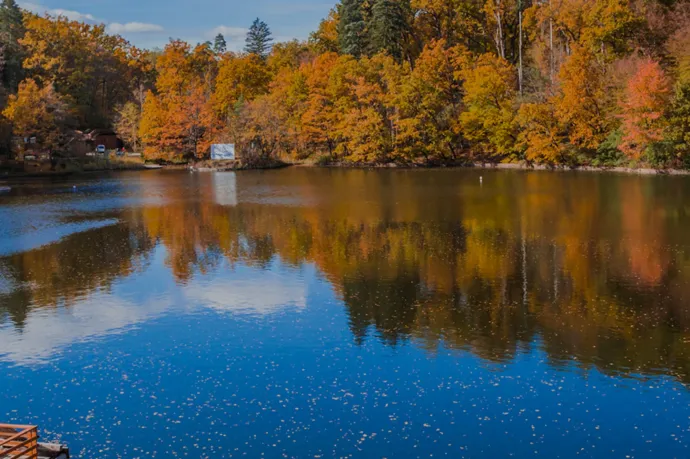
(263, 294)
(46, 331)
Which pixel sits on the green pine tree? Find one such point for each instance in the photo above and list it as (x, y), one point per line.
(258, 39)
(11, 31)
(220, 45)
(352, 28)
(388, 28)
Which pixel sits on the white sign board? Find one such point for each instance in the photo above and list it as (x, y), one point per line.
(223, 151)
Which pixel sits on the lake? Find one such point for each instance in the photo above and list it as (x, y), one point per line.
(349, 313)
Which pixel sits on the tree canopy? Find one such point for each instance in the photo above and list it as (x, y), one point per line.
(597, 82)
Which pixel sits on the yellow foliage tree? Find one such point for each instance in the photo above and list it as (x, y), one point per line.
(489, 120)
(541, 135)
(240, 79)
(38, 111)
(93, 71)
(429, 102)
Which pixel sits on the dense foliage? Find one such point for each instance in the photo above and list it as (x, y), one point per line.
(601, 82)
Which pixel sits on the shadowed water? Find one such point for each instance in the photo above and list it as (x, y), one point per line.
(349, 313)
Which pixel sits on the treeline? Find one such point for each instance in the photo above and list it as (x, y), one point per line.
(59, 76)
(598, 82)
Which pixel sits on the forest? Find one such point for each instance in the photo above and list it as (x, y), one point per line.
(411, 82)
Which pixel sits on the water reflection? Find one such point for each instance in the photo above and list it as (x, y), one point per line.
(594, 269)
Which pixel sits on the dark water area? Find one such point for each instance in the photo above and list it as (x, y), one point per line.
(349, 313)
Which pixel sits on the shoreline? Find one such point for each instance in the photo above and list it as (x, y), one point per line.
(230, 166)
(506, 166)
(616, 169)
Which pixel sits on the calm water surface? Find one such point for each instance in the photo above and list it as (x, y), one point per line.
(333, 313)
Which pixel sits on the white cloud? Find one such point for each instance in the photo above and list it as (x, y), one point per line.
(69, 14)
(265, 293)
(133, 27)
(115, 27)
(234, 36)
(46, 331)
(229, 32)
(72, 15)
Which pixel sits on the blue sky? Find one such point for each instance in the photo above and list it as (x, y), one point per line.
(150, 23)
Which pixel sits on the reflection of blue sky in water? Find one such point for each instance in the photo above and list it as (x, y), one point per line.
(134, 359)
(150, 294)
(34, 214)
(47, 232)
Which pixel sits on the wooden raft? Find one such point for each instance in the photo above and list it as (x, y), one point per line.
(18, 442)
(21, 442)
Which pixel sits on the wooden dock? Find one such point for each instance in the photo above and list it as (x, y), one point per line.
(21, 442)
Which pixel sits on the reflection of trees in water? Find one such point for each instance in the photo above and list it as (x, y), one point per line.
(61, 273)
(588, 266)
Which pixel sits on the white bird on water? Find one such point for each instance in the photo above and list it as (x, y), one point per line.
(481, 179)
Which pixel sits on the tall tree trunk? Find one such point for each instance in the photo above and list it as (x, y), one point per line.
(500, 45)
(520, 74)
(551, 60)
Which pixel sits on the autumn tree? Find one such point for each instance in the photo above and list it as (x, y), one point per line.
(643, 108)
(40, 112)
(127, 121)
(321, 115)
(501, 23)
(178, 121)
(240, 79)
(456, 22)
(679, 123)
(288, 94)
(488, 122)
(325, 38)
(585, 103)
(367, 128)
(291, 54)
(258, 130)
(95, 72)
(603, 27)
(258, 39)
(429, 102)
(542, 136)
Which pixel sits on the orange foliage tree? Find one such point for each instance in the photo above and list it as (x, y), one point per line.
(178, 119)
(645, 100)
(584, 103)
(321, 116)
